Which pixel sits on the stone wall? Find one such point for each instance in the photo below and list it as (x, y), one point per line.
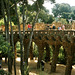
(67, 26)
(73, 25)
(40, 26)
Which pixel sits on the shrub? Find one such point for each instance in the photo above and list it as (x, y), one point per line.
(2, 72)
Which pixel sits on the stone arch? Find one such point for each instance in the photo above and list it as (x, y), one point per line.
(57, 40)
(40, 43)
(16, 39)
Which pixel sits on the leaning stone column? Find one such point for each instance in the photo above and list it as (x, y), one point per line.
(47, 58)
(55, 55)
(70, 54)
(41, 50)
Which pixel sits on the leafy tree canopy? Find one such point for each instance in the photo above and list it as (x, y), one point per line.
(31, 8)
(64, 10)
(59, 9)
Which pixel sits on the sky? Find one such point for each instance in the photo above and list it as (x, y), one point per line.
(49, 6)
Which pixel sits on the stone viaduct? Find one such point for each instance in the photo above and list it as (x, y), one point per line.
(55, 38)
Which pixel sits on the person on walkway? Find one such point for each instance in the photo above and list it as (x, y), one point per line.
(63, 27)
(59, 28)
(47, 27)
(29, 27)
(54, 26)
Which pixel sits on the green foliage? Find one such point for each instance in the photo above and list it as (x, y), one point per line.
(59, 9)
(30, 16)
(51, 53)
(51, 19)
(64, 7)
(73, 15)
(44, 54)
(64, 10)
(61, 57)
(2, 22)
(66, 15)
(30, 12)
(2, 72)
(63, 21)
(4, 46)
(43, 16)
(55, 10)
(18, 48)
(13, 18)
(37, 5)
(35, 53)
(35, 50)
(26, 70)
(73, 8)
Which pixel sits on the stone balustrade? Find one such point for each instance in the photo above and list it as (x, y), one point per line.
(46, 32)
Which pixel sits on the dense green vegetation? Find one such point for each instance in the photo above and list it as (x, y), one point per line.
(64, 11)
(2, 72)
(4, 46)
(1, 22)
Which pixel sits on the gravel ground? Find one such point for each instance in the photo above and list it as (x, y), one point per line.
(60, 69)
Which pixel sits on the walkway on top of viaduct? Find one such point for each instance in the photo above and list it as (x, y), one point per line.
(48, 36)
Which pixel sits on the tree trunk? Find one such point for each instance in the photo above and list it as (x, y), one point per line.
(31, 52)
(21, 40)
(25, 48)
(47, 58)
(7, 30)
(30, 38)
(23, 18)
(8, 38)
(5, 58)
(13, 49)
(5, 24)
(2, 2)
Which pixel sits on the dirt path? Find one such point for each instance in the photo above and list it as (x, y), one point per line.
(60, 70)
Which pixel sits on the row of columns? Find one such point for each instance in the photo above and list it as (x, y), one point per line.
(69, 48)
